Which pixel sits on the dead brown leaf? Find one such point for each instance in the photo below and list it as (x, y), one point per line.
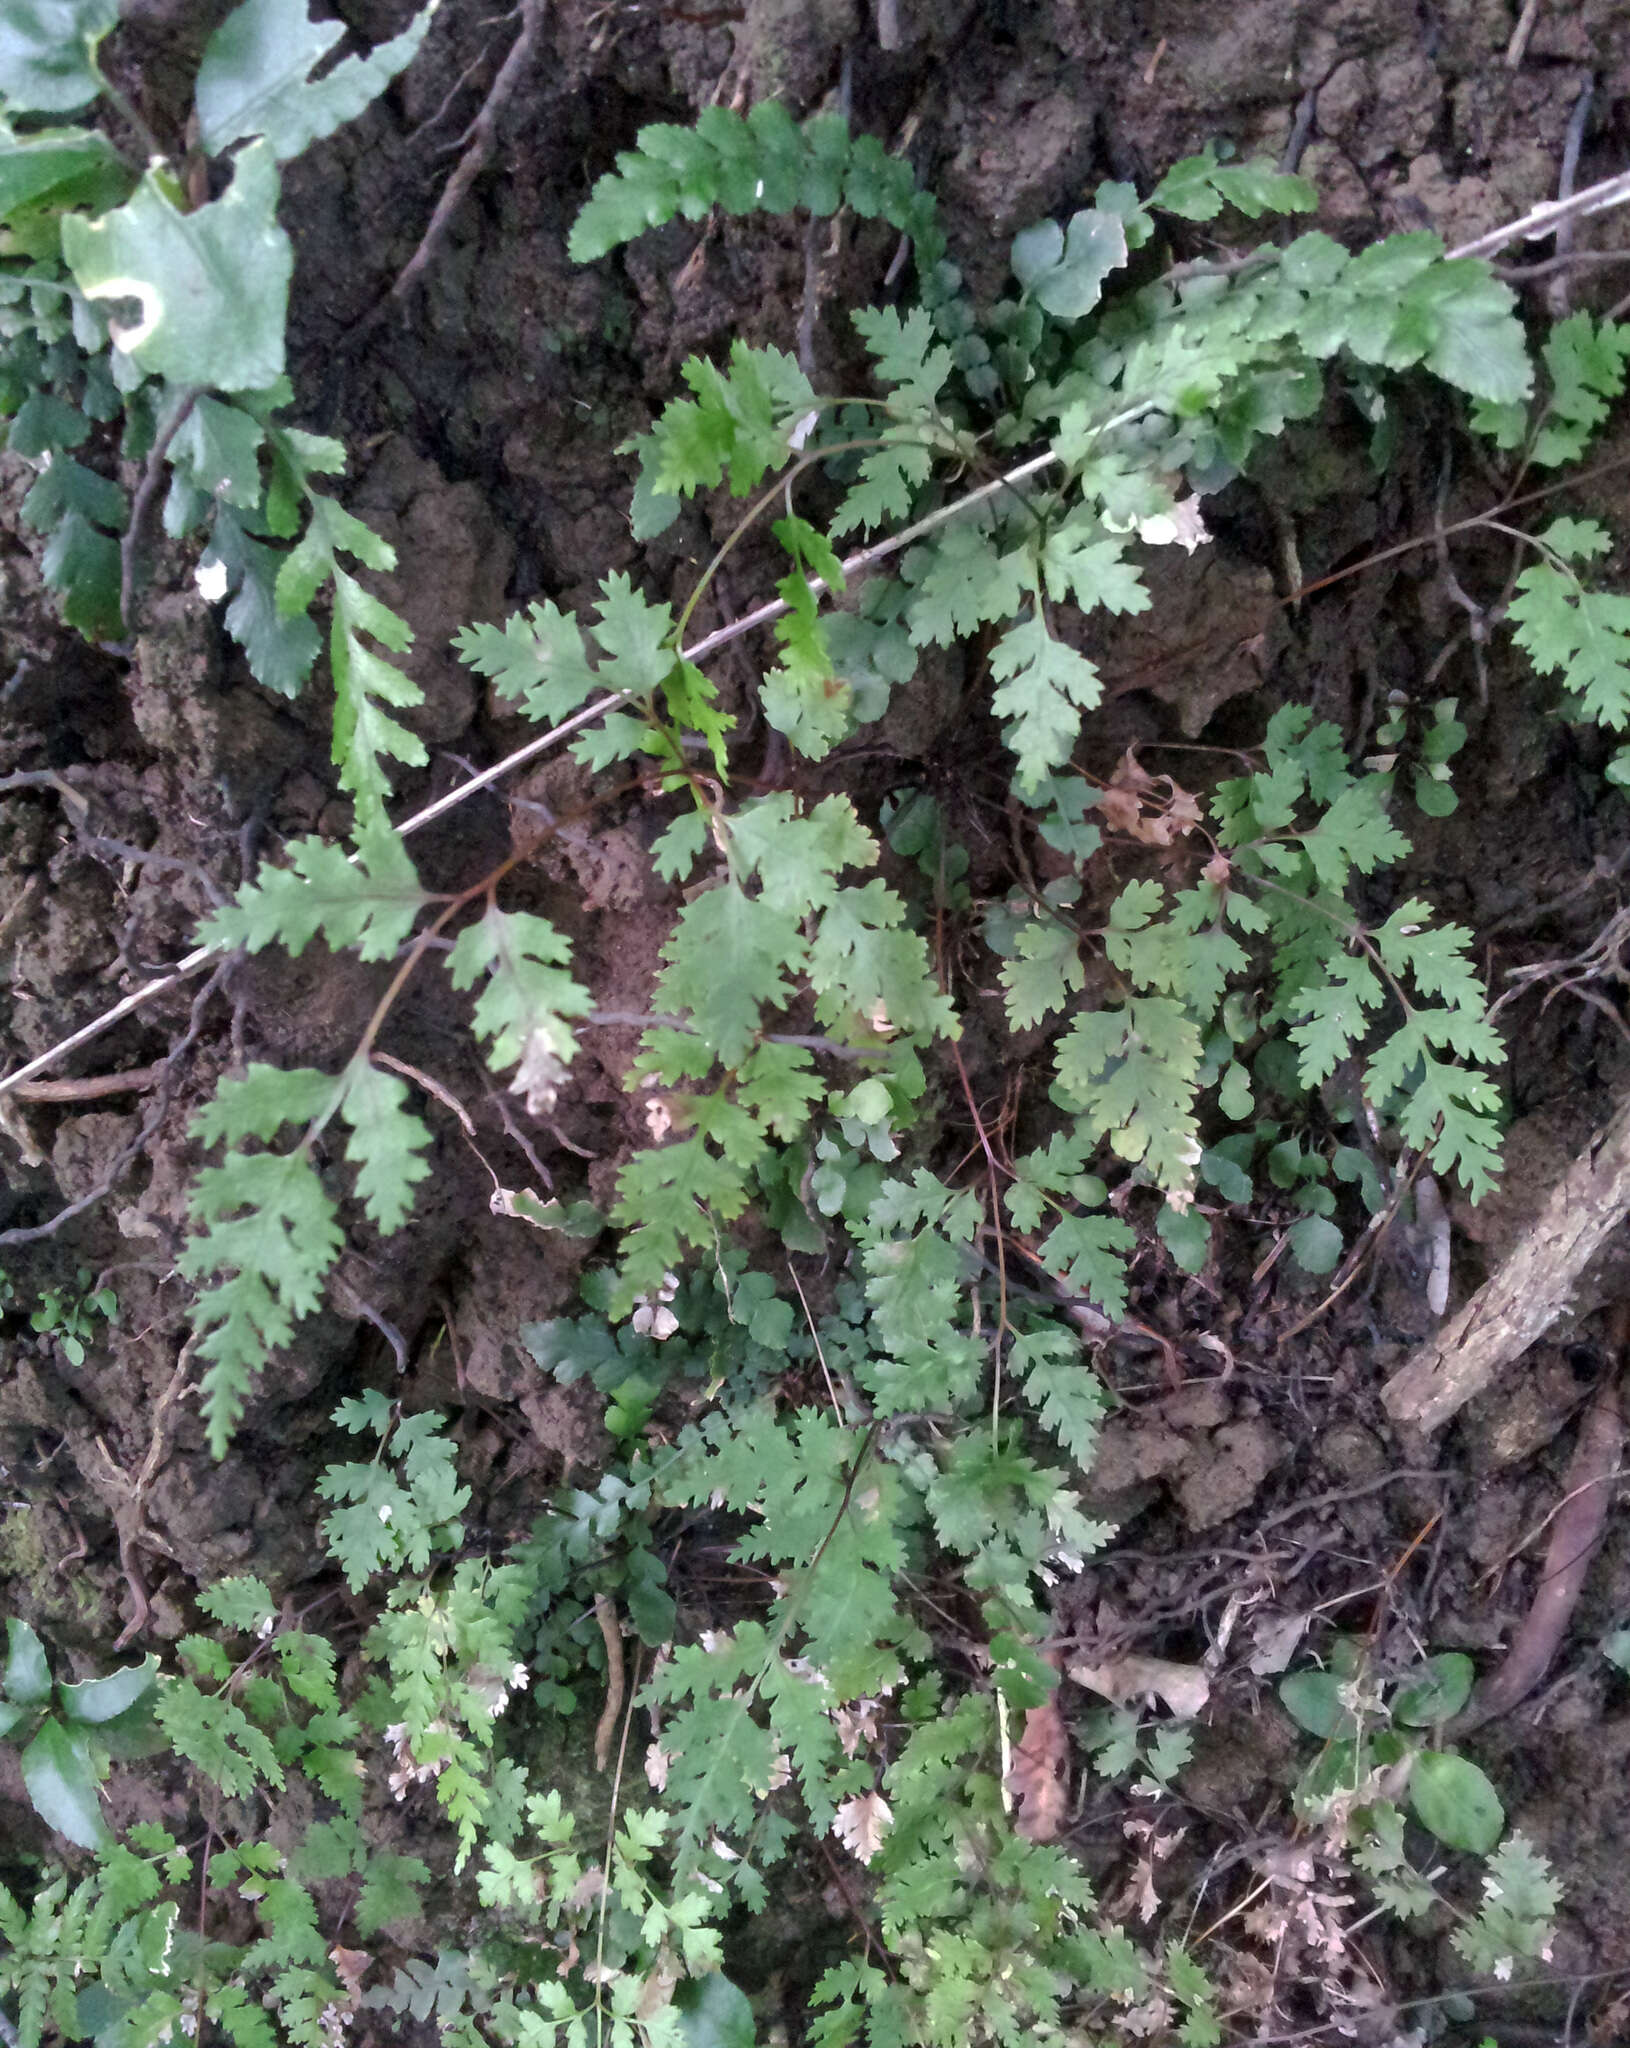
(1123, 810)
(1184, 1687)
(1132, 803)
(1039, 1776)
(861, 1823)
(351, 1966)
(1183, 812)
(1130, 773)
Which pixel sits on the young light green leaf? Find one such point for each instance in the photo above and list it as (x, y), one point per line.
(214, 1733)
(538, 658)
(211, 287)
(960, 580)
(1045, 687)
(1196, 188)
(269, 1228)
(1089, 1254)
(364, 683)
(527, 996)
(242, 1603)
(386, 1142)
(1583, 634)
(390, 1891)
(369, 902)
(1068, 1395)
(741, 421)
(728, 957)
(1043, 971)
(867, 968)
(255, 78)
(1132, 1072)
(904, 355)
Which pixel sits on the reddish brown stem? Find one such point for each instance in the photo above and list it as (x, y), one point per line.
(1576, 1536)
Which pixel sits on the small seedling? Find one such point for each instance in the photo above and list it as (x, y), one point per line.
(1376, 1732)
(71, 1317)
(1379, 1743)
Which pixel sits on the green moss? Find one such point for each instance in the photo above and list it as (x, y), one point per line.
(32, 1587)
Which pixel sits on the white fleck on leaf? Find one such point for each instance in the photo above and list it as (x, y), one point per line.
(210, 576)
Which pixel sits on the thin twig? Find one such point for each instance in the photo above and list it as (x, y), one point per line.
(430, 1085)
(1517, 48)
(1301, 129)
(149, 1129)
(611, 1848)
(1575, 259)
(18, 904)
(152, 473)
(820, 1353)
(1346, 1493)
(139, 857)
(135, 1081)
(1558, 292)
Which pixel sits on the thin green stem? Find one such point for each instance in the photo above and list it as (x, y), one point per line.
(1351, 930)
(757, 508)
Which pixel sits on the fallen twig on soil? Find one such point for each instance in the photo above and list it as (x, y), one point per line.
(1528, 1292)
(1575, 1538)
(93, 1087)
(169, 1079)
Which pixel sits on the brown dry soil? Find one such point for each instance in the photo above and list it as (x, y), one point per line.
(483, 423)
